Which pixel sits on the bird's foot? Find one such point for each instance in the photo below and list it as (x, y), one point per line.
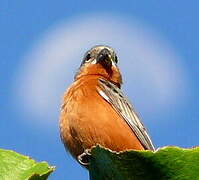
(84, 157)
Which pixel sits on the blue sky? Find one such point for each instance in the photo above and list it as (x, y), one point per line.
(42, 43)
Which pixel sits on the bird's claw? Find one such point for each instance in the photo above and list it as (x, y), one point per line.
(84, 157)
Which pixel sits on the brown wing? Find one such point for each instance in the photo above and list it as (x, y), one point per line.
(121, 104)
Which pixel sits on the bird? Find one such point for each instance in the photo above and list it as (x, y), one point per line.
(95, 110)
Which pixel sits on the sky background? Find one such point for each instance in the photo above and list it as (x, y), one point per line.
(42, 44)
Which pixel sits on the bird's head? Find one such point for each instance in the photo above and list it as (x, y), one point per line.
(101, 61)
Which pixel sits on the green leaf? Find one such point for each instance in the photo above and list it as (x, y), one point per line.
(169, 163)
(14, 166)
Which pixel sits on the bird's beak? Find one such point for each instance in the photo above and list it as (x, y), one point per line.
(104, 58)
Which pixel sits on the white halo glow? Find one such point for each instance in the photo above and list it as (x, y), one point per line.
(150, 67)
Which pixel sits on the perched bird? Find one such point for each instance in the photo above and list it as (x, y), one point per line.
(95, 110)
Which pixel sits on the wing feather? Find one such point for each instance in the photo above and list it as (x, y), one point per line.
(121, 104)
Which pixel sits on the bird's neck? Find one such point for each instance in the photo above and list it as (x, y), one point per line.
(113, 74)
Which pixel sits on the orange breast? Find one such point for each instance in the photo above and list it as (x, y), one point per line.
(87, 120)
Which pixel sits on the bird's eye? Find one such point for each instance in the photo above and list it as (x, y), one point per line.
(87, 57)
(116, 60)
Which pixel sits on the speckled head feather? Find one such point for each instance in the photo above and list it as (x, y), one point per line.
(93, 54)
(100, 60)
